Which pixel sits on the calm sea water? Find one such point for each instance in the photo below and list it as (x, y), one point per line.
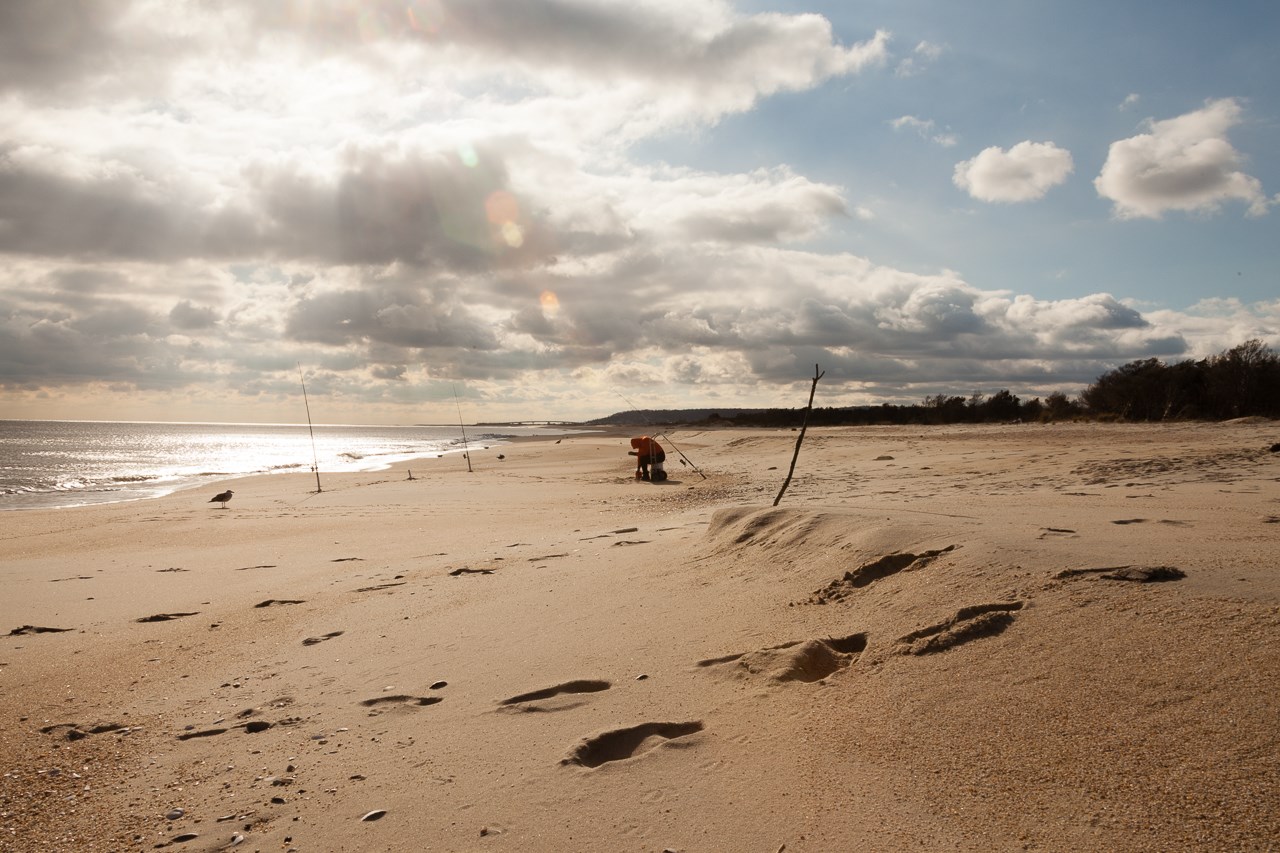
(47, 464)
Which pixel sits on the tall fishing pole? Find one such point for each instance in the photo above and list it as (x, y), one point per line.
(636, 409)
(466, 453)
(315, 459)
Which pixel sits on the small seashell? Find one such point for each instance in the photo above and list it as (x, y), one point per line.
(174, 814)
(376, 814)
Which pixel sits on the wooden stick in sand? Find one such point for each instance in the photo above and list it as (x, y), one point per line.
(803, 426)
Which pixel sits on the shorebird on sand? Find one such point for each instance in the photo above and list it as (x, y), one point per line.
(222, 498)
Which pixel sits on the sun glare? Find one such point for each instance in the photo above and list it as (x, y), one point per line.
(504, 213)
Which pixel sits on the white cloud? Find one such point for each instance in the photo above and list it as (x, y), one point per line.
(763, 206)
(925, 128)
(923, 55)
(1184, 163)
(1130, 100)
(1214, 325)
(920, 125)
(1025, 172)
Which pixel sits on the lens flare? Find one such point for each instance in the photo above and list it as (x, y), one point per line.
(512, 235)
(503, 212)
(550, 303)
(501, 207)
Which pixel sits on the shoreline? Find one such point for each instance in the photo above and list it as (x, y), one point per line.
(545, 654)
(135, 487)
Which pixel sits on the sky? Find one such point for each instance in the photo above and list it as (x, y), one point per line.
(502, 210)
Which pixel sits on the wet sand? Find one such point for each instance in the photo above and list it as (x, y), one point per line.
(1042, 637)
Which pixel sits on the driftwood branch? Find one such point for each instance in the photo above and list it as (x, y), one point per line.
(817, 374)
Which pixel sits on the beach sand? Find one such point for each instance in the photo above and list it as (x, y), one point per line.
(1020, 637)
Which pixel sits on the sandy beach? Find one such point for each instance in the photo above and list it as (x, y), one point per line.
(1020, 637)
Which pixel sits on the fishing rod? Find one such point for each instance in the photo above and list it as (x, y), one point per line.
(636, 409)
(466, 453)
(314, 458)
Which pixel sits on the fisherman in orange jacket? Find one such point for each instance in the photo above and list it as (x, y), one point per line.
(647, 452)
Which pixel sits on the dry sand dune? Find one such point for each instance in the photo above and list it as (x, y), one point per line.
(1003, 638)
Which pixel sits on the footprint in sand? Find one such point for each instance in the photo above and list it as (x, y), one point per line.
(165, 617)
(1135, 574)
(377, 587)
(1168, 521)
(969, 623)
(311, 641)
(799, 660)
(37, 629)
(401, 700)
(865, 575)
(522, 702)
(201, 733)
(621, 744)
(251, 727)
(77, 732)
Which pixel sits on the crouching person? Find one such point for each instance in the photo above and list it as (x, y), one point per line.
(649, 454)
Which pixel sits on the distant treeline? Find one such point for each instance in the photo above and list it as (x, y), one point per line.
(1240, 382)
(1243, 381)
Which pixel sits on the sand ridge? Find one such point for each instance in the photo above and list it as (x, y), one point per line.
(945, 637)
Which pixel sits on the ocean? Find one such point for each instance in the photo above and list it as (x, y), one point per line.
(49, 464)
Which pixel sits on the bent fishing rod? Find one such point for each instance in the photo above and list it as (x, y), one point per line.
(636, 409)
